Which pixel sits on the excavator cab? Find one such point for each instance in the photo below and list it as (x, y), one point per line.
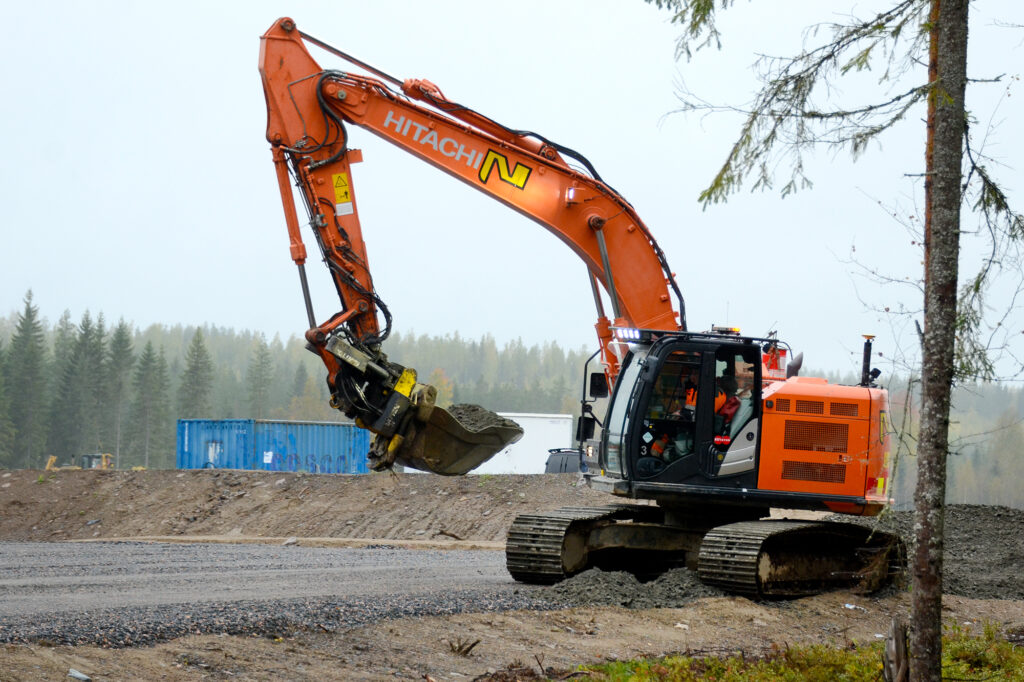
(686, 410)
(712, 418)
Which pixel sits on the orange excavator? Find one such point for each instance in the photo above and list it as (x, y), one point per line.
(710, 429)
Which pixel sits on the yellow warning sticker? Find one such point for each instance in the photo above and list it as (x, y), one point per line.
(406, 382)
(342, 193)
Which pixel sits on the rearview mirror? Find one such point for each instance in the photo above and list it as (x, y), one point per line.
(598, 385)
(585, 428)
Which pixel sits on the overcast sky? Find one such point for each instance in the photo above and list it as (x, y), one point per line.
(137, 181)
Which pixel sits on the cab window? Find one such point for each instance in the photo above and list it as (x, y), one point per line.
(734, 384)
(670, 421)
(617, 427)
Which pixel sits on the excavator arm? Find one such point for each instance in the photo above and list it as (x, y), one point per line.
(309, 110)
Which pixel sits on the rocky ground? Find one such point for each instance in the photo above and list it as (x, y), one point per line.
(594, 616)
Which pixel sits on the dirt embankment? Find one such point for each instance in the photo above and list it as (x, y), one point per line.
(72, 505)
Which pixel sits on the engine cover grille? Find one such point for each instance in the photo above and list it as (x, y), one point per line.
(814, 471)
(843, 409)
(816, 436)
(810, 406)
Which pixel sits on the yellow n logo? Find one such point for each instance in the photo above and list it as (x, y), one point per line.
(516, 176)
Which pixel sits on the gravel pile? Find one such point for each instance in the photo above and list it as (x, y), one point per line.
(595, 587)
(984, 548)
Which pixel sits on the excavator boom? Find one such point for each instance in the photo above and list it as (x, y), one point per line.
(309, 109)
(310, 148)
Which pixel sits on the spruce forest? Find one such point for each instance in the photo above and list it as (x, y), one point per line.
(89, 386)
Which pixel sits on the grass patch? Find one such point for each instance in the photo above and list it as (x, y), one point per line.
(988, 656)
(964, 657)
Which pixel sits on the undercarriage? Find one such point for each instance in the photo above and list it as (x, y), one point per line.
(757, 558)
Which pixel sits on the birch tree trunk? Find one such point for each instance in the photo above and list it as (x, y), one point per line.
(944, 157)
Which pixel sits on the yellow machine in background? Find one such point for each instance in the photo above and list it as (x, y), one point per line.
(103, 461)
(97, 461)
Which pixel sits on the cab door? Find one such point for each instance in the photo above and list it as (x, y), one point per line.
(672, 425)
(696, 413)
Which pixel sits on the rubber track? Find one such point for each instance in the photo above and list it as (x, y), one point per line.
(729, 554)
(533, 548)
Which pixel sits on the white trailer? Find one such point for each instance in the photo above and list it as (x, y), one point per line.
(541, 432)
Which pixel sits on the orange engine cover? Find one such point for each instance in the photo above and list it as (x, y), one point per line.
(824, 438)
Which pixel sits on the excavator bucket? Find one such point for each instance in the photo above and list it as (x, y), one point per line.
(411, 429)
(452, 443)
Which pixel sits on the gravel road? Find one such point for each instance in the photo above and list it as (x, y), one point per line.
(128, 593)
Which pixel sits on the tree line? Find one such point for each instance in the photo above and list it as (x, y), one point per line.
(986, 443)
(70, 388)
(77, 388)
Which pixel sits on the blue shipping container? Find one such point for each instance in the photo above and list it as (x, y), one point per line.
(316, 447)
